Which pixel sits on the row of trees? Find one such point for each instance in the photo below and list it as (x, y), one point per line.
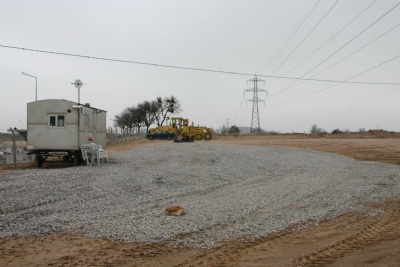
(232, 130)
(316, 130)
(235, 130)
(147, 113)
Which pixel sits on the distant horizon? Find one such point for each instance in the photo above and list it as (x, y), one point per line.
(344, 131)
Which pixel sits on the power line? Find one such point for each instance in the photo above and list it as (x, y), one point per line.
(351, 40)
(241, 103)
(326, 88)
(302, 41)
(242, 115)
(227, 125)
(188, 68)
(330, 39)
(344, 58)
(327, 80)
(298, 27)
(341, 47)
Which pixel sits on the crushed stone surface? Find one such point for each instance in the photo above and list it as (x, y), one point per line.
(227, 191)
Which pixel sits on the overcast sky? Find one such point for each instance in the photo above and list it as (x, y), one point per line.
(285, 38)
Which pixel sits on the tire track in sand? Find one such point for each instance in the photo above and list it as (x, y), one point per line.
(259, 251)
(380, 229)
(227, 254)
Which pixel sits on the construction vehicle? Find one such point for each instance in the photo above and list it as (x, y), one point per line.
(184, 131)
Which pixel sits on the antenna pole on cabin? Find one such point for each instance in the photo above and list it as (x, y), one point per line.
(78, 84)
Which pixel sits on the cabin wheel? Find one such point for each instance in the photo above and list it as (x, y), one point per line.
(76, 160)
(39, 161)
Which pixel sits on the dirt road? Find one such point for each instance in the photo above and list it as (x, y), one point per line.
(350, 240)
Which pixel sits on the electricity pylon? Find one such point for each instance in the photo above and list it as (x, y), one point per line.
(255, 117)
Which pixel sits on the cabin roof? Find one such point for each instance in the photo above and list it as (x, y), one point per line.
(87, 105)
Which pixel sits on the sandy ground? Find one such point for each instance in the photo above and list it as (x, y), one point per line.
(350, 240)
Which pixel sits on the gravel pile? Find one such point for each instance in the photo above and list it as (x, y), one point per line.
(227, 191)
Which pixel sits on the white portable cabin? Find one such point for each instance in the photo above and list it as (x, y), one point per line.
(62, 125)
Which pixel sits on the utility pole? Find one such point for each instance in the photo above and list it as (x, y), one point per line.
(255, 117)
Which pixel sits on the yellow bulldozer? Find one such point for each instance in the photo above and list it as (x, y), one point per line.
(181, 127)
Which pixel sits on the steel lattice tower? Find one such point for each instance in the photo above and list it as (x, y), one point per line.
(255, 117)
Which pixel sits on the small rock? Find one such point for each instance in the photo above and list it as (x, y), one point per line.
(174, 211)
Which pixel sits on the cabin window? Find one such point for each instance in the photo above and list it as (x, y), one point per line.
(57, 120)
(52, 121)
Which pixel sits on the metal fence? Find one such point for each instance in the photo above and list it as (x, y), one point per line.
(9, 158)
(116, 136)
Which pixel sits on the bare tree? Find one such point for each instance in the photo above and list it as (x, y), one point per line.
(136, 118)
(147, 111)
(165, 107)
(234, 130)
(315, 130)
(124, 120)
(223, 130)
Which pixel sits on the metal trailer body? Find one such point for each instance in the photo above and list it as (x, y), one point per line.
(58, 125)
